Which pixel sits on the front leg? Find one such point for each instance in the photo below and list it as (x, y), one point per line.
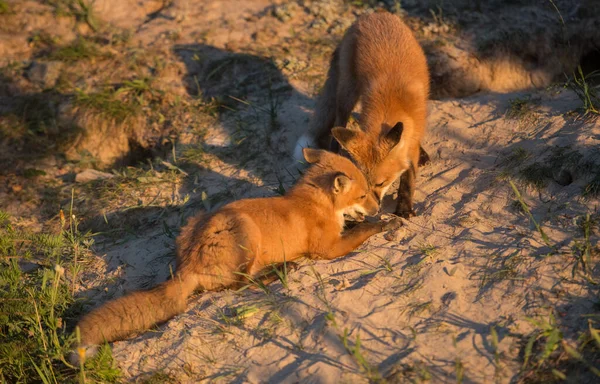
(353, 238)
(404, 208)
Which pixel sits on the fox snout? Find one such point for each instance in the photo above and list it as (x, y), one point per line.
(368, 207)
(371, 205)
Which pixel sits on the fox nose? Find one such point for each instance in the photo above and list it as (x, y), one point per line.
(376, 208)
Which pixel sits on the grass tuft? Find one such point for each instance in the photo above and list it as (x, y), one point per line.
(37, 286)
(592, 188)
(587, 93)
(525, 208)
(519, 108)
(107, 104)
(80, 49)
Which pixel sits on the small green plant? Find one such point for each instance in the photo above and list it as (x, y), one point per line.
(385, 265)
(459, 370)
(587, 93)
(516, 157)
(80, 49)
(548, 334)
(539, 228)
(499, 268)
(495, 346)
(195, 154)
(576, 355)
(281, 271)
(254, 283)
(138, 89)
(535, 175)
(280, 190)
(592, 189)
(428, 249)
(583, 249)
(80, 9)
(416, 309)
(245, 311)
(356, 352)
(106, 103)
(519, 108)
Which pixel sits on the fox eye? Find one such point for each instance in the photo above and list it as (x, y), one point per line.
(363, 197)
(379, 185)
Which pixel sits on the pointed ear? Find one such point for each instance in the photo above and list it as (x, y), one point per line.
(345, 137)
(312, 155)
(395, 134)
(341, 184)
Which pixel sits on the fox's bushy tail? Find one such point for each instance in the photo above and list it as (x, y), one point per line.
(136, 311)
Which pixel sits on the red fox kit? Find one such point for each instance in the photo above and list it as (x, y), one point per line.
(246, 236)
(380, 62)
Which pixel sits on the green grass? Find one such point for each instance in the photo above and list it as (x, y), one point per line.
(36, 306)
(548, 355)
(535, 175)
(499, 268)
(195, 153)
(580, 83)
(355, 350)
(592, 188)
(4, 8)
(583, 249)
(83, 11)
(459, 370)
(427, 249)
(107, 104)
(123, 101)
(80, 49)
(516, 157)
(418, 308)
(80, 9)
(525, 208)
(519, 108)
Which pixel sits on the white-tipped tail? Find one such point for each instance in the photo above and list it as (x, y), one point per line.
(305, 141)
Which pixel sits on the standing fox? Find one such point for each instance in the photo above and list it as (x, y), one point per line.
(380, 62)
(244, 237)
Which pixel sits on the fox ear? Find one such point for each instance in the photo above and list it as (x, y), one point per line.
(346, 137)
(341, 183)
(312, 155)
(395, 134)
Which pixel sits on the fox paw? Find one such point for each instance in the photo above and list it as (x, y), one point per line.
(406, 213)
(391, 225)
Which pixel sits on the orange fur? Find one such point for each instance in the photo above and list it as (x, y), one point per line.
(245, 237)
(379, 62)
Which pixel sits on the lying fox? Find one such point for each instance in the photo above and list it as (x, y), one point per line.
(244, 237)
(380, 62)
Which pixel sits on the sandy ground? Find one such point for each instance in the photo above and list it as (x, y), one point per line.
(418, 303)
(424, 304)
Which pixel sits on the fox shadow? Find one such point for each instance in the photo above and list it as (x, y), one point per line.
(259, 116)
(260, 113)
